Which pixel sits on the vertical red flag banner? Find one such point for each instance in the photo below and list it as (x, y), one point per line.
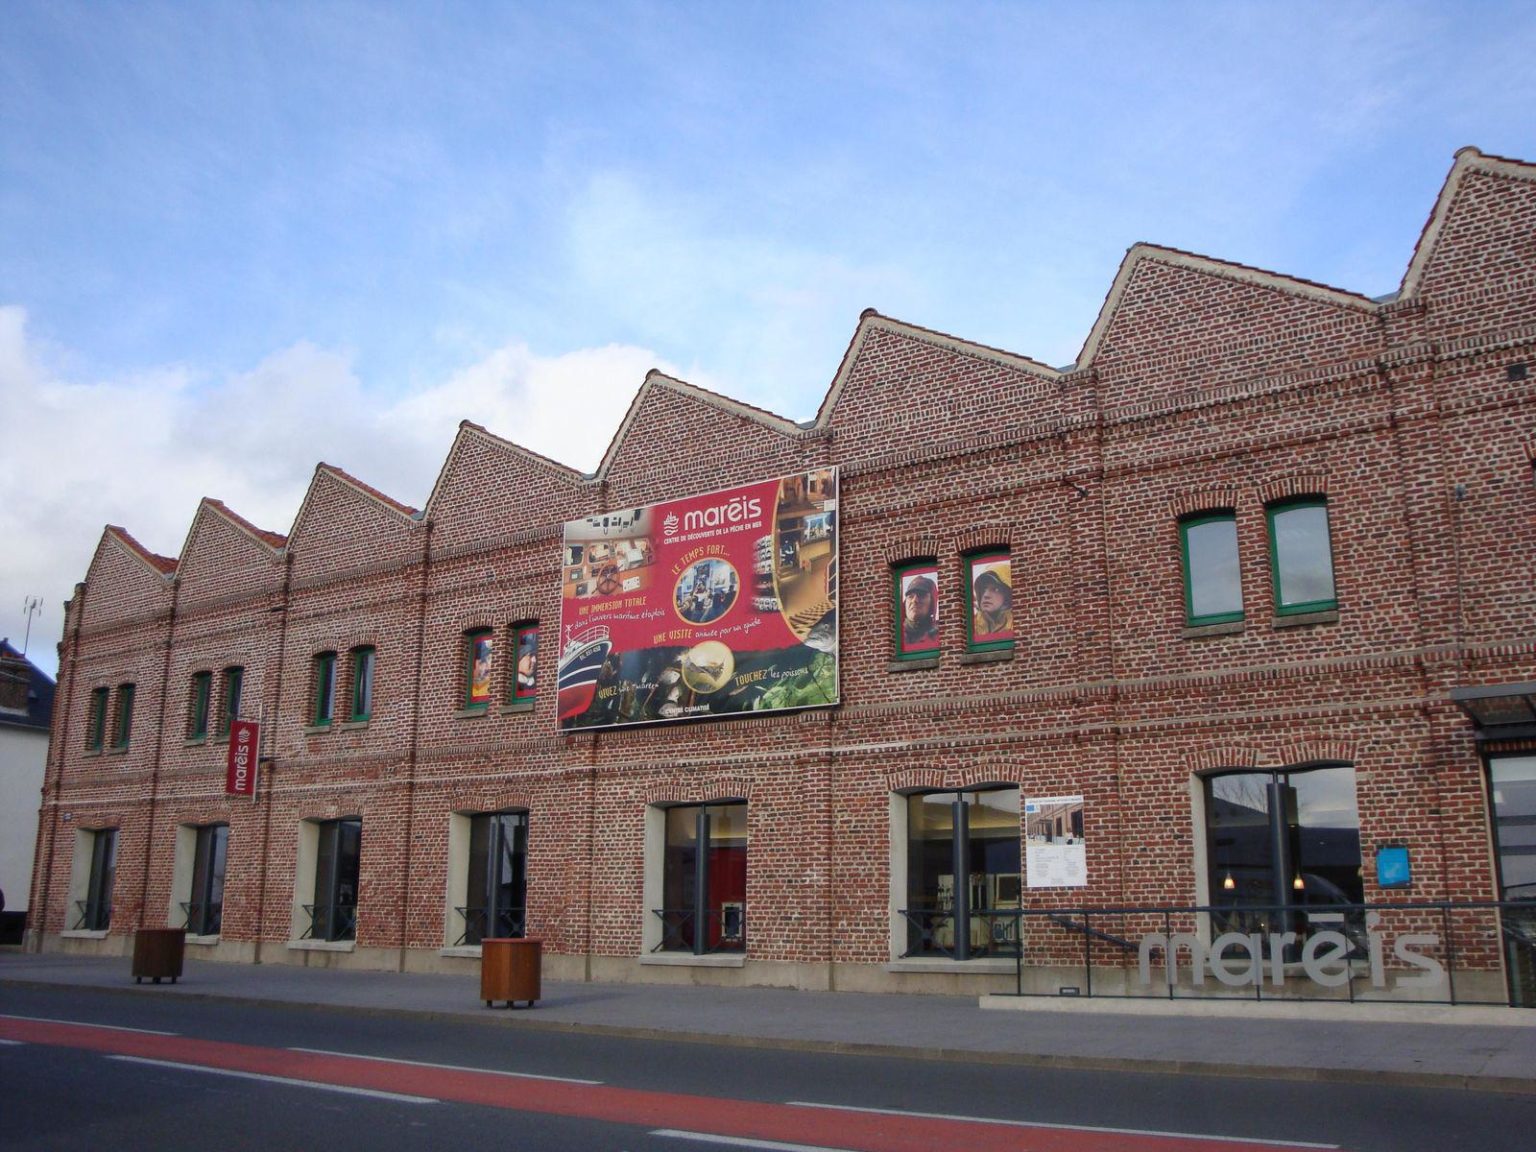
(240, 772)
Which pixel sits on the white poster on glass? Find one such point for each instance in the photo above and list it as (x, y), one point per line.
(1055, 855)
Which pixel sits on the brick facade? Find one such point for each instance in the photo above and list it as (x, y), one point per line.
(1203, 385)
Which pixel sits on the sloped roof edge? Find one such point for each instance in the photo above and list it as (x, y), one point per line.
(870, 320)
(162, 566)
(405, 512)
(1468, 160)
(655, 378)
(468, 428)
(1210, 266)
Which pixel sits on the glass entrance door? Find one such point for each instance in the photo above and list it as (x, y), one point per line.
(1512, 790)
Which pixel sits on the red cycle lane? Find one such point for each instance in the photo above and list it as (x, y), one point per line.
(827, 1127)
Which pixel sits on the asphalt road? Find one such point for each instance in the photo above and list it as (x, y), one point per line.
(83, 1070)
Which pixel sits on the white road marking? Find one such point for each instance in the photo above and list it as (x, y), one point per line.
(742, 1141)
(86, 1024)
(397, 1097)
(1066, 1127)
(13, 1043)
(445, 1067)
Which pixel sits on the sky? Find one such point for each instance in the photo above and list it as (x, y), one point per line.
(237, 240)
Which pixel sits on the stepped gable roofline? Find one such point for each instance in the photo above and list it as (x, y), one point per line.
(1468, 160)
(467, 429)
(1210, 266)
(273, 541)
(655, 378)
(162, 566)
(871, 320)
(405, 512)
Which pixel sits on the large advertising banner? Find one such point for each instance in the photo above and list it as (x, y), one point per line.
(714, 605)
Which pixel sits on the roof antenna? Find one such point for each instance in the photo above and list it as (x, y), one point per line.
(32, 607)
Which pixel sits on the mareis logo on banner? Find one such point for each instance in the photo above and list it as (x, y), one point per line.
(240, 773)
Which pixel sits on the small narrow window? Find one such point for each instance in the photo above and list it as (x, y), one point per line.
(122, 731)
(197, 710)
(989, 601)
(333, 915)
(477, 668)
(1301, 556)
(325, 689)
(229, 699)
(205, 909)
(1213, 585)
(362, 683)
(525, 678)
(96, 720)
(915, 589)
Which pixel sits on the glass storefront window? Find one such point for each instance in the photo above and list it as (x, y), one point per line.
(963, 873)
(705, 893)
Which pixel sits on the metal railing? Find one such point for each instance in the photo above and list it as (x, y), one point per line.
(202, 919)
(988, 932)
(479, 924)
(330, 922)
(1436, 952)
(92, 917)
(725, 930)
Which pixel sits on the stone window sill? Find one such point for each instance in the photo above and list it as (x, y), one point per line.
(322, 945)
(925, 663)
(85, 934)
(317, 729)
(689, 960)
(354, 725)
(993, 656)
(1329, 616)
(196, 741)
(471, 713)
(1229, 628)
(987, 965)
(203, 941)
(517, 706)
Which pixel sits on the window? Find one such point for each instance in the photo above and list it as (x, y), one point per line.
(989, 601)
(477, 668)
(1213, 585)
(915, 588)
(362, 684)
(704, 879)
(1301, 556)
(122, 730)
(525, 679)
(1512, 793)
(197, 710)
(205, 907)
(497, 889)
(963, 875)
(96, 720)
(333, 915)
(1281, 838)
(325, 690)
(95, 910)
(229, 699)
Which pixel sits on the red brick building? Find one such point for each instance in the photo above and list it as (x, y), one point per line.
(1188, 623)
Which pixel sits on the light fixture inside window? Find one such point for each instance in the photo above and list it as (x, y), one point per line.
(1228, 884)
(1299, 884)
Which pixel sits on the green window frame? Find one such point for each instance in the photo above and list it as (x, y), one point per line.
(325, 690)
(917, 637)
(197, 711)
(524, 681)
(1301, 556)
(479, 668)
(363, 665)
(96, 720)
(122, 730)
(229, 699)
(993, 630)
(1213, 580)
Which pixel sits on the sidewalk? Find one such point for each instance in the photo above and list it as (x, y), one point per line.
(1489, 1049)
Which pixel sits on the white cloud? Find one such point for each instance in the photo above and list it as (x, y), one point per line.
(141, 452)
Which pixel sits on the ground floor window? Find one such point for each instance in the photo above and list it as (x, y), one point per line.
(1280, 842)
(704, 879)
(496, 888)
(95, 871)
(338, 856)
(1512, 789)
(963, 875)
(204, 906)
